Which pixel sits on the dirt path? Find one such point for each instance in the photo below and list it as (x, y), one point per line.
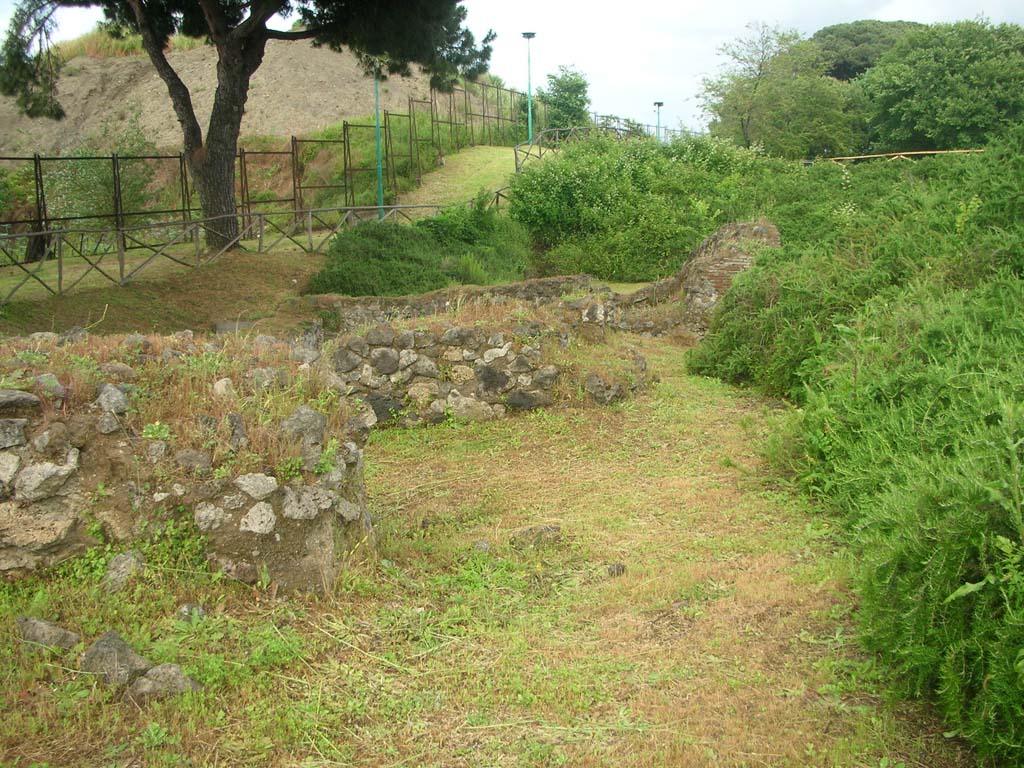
(726, 641)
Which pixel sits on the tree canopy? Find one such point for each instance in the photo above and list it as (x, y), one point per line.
(869, 86)
(849, 50)
(774, 93)
(947, 86)
(566, 98)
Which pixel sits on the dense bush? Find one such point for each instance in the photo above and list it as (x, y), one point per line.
(628, 210)
(848, 235)
(902, 333)
(375, 259)
(462, 245)
(916, 434)
(635, 210)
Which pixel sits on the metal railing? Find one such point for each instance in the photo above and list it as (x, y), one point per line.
(543, 143)
(59, 260)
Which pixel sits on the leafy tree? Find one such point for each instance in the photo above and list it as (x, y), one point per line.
(393, 32)
(775, 93)
(851, 49)
(734, 99)
(948, 86)
(566, 98)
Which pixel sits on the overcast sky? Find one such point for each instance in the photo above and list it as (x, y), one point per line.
(636, 53)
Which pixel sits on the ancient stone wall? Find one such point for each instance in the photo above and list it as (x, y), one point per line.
(68, 464)
(687, 299)
(66, 475)
(355, 311)
(465, 373)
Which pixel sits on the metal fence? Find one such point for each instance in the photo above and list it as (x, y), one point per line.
(336, 169)
(67, 257)
(111, 216)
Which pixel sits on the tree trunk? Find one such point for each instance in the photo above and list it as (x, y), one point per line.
(213, 175)
(37, 245)
(212, 162)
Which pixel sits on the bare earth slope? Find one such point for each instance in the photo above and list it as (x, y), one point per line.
(297, 90)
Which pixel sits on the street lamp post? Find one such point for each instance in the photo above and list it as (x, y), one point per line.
(659, 105)
(529, 87)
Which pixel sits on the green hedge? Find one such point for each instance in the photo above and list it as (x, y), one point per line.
(902, 334)
(463, 245)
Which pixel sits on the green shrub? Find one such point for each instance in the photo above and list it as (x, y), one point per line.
(895, 313)
(380, 259)
(472, 245)
(625, 210)
(916, 435)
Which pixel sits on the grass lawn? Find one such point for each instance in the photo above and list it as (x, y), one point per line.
(726, 641)
(167, 297)
(463, 175)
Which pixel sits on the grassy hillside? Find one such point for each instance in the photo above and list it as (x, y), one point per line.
(463, 175)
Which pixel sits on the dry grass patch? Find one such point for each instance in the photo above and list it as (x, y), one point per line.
(167, 298)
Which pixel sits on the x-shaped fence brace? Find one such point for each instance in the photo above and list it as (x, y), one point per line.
(94, 247)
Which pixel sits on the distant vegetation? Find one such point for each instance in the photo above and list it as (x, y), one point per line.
(463, 245)
(869, 86)
(634, 210)
(101, 44)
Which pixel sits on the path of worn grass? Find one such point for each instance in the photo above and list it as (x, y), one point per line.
(464, 174)
(724, 643)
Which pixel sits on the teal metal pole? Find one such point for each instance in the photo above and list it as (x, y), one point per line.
(380, 154)
(529, 87)
(529, 95)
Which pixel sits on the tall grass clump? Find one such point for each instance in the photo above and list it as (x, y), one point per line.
(101, 44)
(902, 335)
(463, 245)
(635, 209)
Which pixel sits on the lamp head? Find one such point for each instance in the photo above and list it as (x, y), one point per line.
(659, 104)
(529, 35)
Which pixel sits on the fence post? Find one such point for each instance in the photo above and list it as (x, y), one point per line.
(259, 238)
(35, 249)
(414, 149)
(60, 265)
(309, 229)
(297, 203)
(186, 214)
(118, 215)
(350, 194)
(243, 188)
(391, 177)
